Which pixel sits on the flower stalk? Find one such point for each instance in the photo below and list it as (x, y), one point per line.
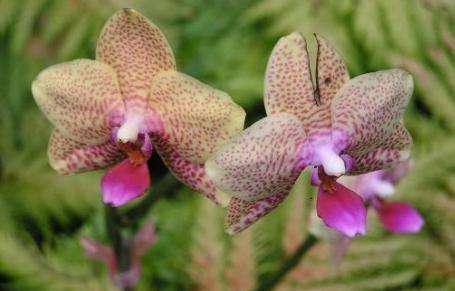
(119, 241)
(288, 264)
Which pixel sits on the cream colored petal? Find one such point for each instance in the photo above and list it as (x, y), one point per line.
(80, 98)
(137, 50)
(190, 173)
(263, 161)
(331, 75)
(197, 118)
(241, 214)
(393, 150)
(331, 71)
(68, 156)
(367, 113)
(288, 85)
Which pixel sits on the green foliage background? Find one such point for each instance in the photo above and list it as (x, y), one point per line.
(226, 44)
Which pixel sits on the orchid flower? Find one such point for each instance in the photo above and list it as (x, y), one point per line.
(130, 100)
(344, 127)
(375, 187)
(141, 242)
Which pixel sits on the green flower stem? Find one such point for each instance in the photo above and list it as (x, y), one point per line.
(288, 264)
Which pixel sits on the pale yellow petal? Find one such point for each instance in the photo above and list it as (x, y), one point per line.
(263, 161)
(81, 98)
(288, 85)
(137, 50)
(196, 117)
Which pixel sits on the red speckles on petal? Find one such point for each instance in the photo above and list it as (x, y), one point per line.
(262, 161)
(197, 118)
(368, 112)
(68, 156)
(190, 173)
(331, 75)
(137, 50)
(241, 214)
(288, 85)
(384, 156)
(79, 98)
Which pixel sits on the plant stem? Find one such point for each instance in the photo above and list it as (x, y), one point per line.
(120, 243)
(288, 264)
(119, 224)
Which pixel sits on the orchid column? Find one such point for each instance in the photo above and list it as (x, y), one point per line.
(116, 110)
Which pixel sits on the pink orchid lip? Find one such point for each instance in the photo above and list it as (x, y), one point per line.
(130, 178)
(341, 209)
(124, 182)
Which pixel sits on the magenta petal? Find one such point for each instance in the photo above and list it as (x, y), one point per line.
(342, 210)
(124, 182)
(400, 217)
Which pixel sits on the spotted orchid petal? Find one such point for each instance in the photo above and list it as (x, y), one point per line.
(331, 72)
(124, 182)
(137, 50)
(81, 98)
(241, 214)
(69, 156)
(331, 75)
(190, 173)
(260, 162)
(288, 85)
(196, 117)
(366, 119)
(399, 217)
(342, 210)
(392, 151)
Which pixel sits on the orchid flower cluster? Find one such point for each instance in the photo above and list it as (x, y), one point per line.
(117, 110)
